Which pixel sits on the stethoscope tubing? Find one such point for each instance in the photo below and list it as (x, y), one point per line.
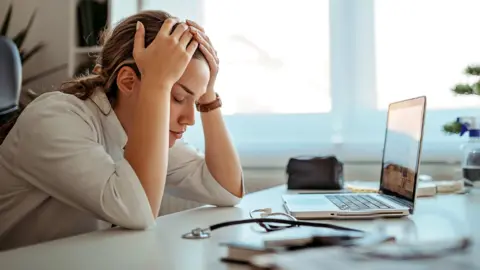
(282, 221)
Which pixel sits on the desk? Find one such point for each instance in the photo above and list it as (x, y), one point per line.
(163, 248)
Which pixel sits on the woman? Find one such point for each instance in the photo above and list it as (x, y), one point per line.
(66, 165)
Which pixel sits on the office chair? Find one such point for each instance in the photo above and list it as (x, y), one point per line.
(10, 76)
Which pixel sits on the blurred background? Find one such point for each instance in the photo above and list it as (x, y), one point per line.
(303, 77)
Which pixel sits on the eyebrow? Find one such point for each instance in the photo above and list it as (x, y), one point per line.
(186, 89)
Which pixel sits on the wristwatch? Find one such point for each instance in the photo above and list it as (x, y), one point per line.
(217, 103)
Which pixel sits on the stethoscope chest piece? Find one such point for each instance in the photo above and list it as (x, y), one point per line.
(197, 233)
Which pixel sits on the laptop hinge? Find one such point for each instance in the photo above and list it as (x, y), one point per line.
(400, 201)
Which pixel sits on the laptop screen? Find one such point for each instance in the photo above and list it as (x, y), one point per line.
(402, 148)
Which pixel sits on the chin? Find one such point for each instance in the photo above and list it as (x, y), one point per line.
(171, 142)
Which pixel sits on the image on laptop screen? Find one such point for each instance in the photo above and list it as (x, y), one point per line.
(402, 147)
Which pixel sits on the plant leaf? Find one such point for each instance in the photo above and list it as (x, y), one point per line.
(463, 89)
(6, 21)
(28, 54)
(473, 70)
(20, 37)
(43, 74)
(452, 128)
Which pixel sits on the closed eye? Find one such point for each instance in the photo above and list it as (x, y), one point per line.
(178, 100)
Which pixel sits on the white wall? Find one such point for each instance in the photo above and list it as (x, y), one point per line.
(51, 26)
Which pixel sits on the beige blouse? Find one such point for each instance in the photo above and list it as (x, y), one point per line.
(62, 173)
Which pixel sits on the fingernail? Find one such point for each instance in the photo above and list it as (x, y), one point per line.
(138, 24)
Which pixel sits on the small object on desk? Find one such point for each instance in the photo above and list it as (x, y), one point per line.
(304, 236)
(424, 189)
(197, 233)
(315, 173)
(450, 186)
(362, 187)
(344, 258)
(424, 177)
(317, 191)
(243, 252)
(295, 239)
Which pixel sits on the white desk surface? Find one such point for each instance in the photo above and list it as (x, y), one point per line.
(163, 248)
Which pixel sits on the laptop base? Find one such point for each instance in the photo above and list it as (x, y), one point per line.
(317, 206)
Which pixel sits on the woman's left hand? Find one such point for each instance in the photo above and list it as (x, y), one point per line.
(206, 47)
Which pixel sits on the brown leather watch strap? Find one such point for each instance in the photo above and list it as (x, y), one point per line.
(217, 103)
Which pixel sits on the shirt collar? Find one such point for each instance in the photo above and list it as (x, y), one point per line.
(113, 128)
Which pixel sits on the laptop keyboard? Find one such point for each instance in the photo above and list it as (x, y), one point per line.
(356, 202)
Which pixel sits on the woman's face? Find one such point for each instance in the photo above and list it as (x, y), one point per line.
(191, 86)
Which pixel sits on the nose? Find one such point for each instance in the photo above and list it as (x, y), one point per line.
(188, 116)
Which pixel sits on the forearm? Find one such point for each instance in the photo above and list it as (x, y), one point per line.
(220, 155)
(147, 147)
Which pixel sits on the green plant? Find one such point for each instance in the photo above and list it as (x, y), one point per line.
(19, 40)
(464, 89)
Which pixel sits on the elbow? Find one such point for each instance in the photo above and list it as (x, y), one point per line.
(139, 224)
(136, 222)
(229, 201)
(230, 198)
(124, 201)
(129, 210)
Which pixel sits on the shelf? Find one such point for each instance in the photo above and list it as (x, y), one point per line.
(86, 50)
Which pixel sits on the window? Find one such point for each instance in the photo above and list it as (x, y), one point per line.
(424, 50)
(315, 77)
(121, 9)
(275, 63)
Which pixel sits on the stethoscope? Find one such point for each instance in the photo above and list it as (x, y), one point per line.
(264, 221)
(400, 252)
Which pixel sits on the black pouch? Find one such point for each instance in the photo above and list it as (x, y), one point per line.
(315, 173)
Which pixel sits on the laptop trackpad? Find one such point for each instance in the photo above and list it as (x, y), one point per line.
(304, 202)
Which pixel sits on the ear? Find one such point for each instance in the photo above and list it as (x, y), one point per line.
(126, 79)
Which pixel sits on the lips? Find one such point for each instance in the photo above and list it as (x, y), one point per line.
(177, 134)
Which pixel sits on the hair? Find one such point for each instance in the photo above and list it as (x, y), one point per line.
(117, 51)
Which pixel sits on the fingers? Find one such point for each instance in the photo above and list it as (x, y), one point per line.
(194, 24)
(211, 59)
(185, 39)
(139, 39)
(179, 30)
(201, 35)
(192, 47)
(201, 38)
(167, 26)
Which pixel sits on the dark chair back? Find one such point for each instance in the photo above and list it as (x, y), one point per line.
(10, 76)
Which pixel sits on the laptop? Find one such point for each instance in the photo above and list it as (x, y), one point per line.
(398, 179)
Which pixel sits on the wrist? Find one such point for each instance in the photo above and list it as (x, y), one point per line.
(157, 84)
(211, 105)
(208, 97)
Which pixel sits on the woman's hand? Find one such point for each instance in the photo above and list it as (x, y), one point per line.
(210, 53)
(167, 57)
